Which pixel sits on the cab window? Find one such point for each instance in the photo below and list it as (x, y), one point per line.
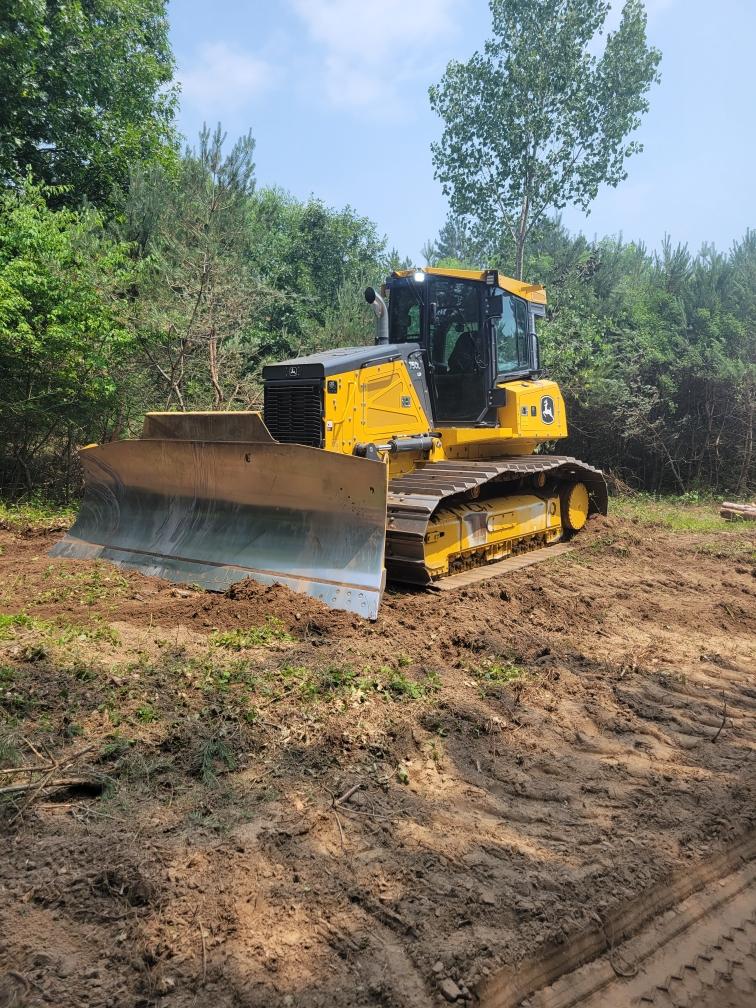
(456, 336)
(511, 332)
(405, 314)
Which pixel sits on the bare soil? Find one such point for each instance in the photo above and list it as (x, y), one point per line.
(250, 800)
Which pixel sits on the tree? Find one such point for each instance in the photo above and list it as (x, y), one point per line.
(536, 122)
(62, 337)
(86, 92)
(198, 296)
(320, 259)
(457, 244)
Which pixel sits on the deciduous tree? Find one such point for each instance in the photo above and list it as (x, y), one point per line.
(536, 121)
(86, 92)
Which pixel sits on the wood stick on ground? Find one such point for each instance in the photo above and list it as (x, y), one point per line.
(724, 721)
(44, 784)
(347, 795)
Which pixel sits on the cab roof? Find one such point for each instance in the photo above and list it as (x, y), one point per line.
(531, 292)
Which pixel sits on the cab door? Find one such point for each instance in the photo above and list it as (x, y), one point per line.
(458, 351)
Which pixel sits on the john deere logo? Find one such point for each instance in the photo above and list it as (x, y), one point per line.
(547, 409)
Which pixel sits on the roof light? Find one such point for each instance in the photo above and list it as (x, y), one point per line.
(492, 278)
(419, 276)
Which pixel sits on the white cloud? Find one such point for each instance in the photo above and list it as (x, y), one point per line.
(223, 79)
(372, 49)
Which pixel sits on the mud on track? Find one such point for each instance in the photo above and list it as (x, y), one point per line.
(531, 754)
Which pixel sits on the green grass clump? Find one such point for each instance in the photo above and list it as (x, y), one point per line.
(212, 756)
(37, 514)
(500, 673)
(88, 587)
(10, 755)
(399, 685)
(146, 714)
(55, 631)
(271, 632)
(346, 682)
(686, 513)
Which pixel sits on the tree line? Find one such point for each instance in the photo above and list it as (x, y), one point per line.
(138, 272)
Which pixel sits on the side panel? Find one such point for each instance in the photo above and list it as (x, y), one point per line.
(376, 403)
(214, 513)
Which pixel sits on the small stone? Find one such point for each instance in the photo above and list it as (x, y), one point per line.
(450, 990)
(488, 898)
(288, 1001)
(438, 966)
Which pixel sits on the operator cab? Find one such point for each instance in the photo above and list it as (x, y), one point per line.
(474, 333)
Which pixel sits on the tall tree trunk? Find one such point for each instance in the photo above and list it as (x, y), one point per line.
(522, 234)
(214, 375)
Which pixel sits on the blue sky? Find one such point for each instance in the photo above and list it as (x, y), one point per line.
(335, 93)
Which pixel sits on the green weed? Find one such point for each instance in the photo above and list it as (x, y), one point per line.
(400, 686)
(86, 587)
(146, 714)
(499, 673)
(55, 631)
(212, 756)
(689, 512)
(10, 755)
(271, 632)
(36, 514)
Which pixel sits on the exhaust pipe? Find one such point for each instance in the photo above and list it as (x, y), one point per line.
(381, 315)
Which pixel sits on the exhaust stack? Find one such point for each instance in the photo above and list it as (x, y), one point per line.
(381, 315)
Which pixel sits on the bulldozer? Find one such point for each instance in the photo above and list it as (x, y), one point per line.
(411, 459)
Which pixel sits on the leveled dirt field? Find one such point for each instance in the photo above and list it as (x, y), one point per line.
(251, 800)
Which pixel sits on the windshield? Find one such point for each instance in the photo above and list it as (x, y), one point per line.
(511, 332)
(405, 313)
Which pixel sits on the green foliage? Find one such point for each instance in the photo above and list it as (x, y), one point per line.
(320, 260)
(499, 673)
(60, 331)
(35, 514)
(271, 632)
(86, 92)
(146, 714)
(10, 754)
(684, 513)
(58, 631)
(212, 756)
(199, 293)
(536, 122)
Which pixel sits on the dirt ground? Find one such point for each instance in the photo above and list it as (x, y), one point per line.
(249, 800)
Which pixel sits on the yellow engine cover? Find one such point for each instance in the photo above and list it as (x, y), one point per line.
(482, 531)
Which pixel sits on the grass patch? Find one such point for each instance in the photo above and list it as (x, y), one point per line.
(499, 673)
(146, 714)
(344, 682)
(37, 515)
(101, 582)
(686, 513)
(271, 632)
(54, 631)
(10, 755)
(212, 756)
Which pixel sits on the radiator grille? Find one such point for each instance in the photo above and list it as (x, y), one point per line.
(294, 412)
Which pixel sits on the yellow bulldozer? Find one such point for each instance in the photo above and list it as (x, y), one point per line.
(410, 459)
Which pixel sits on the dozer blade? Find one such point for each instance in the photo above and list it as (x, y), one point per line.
(215, 512)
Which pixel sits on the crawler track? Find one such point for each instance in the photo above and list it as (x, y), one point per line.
(414, 498)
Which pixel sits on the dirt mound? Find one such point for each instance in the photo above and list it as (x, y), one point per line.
(260, 602)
